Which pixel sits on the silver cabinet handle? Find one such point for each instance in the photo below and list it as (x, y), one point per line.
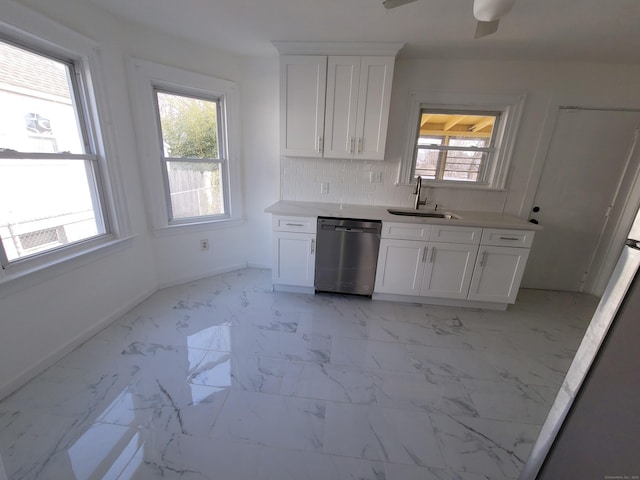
(424, 254)
(294, 224)
(509, 238)
(359, 144)
(483, 259)
(313, 246)
(352, 143)
(433, 255)
(320, 144)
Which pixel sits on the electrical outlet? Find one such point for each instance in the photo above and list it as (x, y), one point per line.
(324, 188)
(375, 177)
(204, 244)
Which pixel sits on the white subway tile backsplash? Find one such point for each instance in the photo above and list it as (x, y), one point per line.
(350, 182)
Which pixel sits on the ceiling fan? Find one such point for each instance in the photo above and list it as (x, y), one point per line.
(487, 12)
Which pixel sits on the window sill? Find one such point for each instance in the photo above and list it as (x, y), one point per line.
(19, 277)
(181, 228)
(459, 186)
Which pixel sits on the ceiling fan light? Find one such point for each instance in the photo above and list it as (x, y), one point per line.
(490, 10)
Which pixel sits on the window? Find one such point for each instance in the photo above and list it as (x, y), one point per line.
(454, 146)
(193, 156)
(189, 145)
(50, 196)
(460, 140)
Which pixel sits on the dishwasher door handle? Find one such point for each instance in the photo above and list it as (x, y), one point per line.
(349, 230)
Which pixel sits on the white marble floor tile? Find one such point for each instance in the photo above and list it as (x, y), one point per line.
(383, 434)
(223, 378)
(329, 382)
(272, 420)
(397, 471)
(510, 401)
(388, 356)
(426, 393)
(494, 448)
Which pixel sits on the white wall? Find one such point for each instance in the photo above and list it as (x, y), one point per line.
(590, 84)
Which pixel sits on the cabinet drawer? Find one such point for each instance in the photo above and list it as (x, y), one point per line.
(406, 231)
(445, 233)
(507, 238)
(294, 224)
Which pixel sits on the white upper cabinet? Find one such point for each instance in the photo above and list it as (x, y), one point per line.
(335, 105)
(302, 95)
(357, 106)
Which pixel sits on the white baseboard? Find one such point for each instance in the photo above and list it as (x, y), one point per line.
(23, 377)
(211, 273)
(390, 297)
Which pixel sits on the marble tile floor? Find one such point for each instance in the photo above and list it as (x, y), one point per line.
(224, 379)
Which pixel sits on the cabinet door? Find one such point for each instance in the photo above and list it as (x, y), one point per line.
(498, 273)
(294, 258)
(302, 95)
(374, 98)
(400, 266)
(343, 75)
(448, 270)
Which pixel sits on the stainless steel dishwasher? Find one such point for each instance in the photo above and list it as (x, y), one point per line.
(347, 255)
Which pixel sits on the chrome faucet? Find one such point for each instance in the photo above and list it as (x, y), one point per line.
(417, 192)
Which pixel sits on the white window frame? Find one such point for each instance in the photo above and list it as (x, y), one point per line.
(147, 78)
(27, 28)
(497, 165)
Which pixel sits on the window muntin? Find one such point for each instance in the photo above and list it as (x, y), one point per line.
(49, 170)
(194, 155)
(454, 146)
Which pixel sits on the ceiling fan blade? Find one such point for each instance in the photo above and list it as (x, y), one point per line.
(395, 3)
(486, 28)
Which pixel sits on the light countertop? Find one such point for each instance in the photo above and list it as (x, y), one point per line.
(468, 218)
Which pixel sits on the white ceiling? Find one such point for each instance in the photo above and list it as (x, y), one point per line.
(564, 30)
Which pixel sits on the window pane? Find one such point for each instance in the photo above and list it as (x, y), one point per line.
(45, 204)
(463, 166)
(37, 113)
(196, 189)
(469, 142)
(189, 126)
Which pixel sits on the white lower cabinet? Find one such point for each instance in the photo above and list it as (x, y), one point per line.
(498, 273)
(294, 251)
(448, 271)
(400, 267)
(446, 262)
(430, 269)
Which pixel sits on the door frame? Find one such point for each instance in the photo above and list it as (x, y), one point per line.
(624, 220)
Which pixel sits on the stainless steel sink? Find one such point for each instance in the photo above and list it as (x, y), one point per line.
(422, 213)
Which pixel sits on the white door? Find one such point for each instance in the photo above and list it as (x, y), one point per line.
(374, 99)
(343, 74)
(295, 259)
(400, 266)
(586, 160)
(497, 274)
(448, 270)
(302, 95)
